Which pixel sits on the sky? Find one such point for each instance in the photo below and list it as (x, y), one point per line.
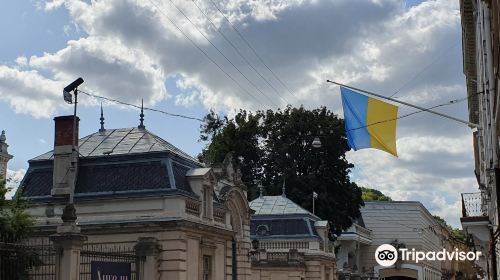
(189, 57)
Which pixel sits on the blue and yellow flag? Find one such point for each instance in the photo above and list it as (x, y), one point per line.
(369, 122)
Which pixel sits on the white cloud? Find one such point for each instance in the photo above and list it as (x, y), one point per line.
(14, 178)
(109, 68)
(433, 170)
(130, 48)
(28, 92)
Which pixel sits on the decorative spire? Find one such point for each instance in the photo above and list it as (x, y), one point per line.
(283, 190)
(102, 129)
(141, 125)
(3, 145)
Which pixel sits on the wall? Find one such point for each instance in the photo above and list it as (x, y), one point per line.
(408, 222)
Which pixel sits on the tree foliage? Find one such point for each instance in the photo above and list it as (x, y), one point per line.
(15, 222)
(369, 194)
(274, 146)
(15, 225)
(455, 233)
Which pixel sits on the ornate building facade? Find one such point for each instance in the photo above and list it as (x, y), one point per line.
(481, 62)
(289, 242)
(132, 188)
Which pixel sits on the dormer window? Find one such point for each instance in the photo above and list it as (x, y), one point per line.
(262, 230)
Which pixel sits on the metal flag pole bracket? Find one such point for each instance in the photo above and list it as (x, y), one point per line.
(472, 125)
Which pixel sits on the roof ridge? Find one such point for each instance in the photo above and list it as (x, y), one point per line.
(92, 145)
(283, 212)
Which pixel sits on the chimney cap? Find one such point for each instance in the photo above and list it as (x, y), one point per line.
(69, 117)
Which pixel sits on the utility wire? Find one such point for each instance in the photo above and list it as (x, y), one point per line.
(139, 107)
(253, 50)
(436, 59)
(239, 53)
(221, 53)
(451, 102)
(205, 54)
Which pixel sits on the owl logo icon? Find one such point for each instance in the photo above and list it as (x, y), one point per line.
(386, 255)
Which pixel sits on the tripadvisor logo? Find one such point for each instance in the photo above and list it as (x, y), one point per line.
(387, 255)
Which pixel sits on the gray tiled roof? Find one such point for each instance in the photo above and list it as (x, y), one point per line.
(122, 141)
(276, 205)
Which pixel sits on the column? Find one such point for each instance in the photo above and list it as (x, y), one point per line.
(68, 242)
(147, 249)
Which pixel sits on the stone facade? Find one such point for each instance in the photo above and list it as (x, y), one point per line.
(481, 52)
(136, 190)
(399, 223)
(289, 242)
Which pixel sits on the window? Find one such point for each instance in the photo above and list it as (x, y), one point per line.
(207, 203)
(207, 267)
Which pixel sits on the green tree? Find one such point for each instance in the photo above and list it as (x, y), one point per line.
(15, 222)
(369, 194)
(455, 233)
(269, 146)
(15, 225)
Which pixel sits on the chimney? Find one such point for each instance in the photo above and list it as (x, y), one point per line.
(65, 159)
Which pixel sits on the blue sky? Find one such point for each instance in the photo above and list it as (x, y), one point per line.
(129, 50)
(36, 32)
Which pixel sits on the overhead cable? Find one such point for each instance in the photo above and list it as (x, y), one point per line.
(205, 53)
(223, 55)
(239, 53)
(139, 107)
(254, 51)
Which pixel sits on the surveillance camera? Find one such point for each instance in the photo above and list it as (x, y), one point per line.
(68, 89)
(73, 85)
(68, 97)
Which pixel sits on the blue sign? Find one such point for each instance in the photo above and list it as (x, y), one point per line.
(110, 271)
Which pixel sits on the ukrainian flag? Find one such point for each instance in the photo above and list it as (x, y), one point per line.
(369, 122)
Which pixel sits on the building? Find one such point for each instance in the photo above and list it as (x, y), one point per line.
(453, 269)
(135, 190)
(351, 244)
(481, 53)
(405, 224)
(290, 242)
(4, 156)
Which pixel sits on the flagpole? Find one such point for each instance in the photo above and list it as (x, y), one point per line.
(313, 204)
(408, 104)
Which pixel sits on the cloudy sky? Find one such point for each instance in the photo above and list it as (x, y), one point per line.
(185, 57)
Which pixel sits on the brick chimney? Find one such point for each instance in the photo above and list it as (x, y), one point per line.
(65, 161)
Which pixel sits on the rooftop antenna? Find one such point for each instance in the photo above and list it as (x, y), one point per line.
(102, 129)
(141, 125)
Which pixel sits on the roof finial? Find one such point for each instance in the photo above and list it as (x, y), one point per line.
(2, 136)
(261, 190)
(283, 193)
(102, 129)
(141, 125)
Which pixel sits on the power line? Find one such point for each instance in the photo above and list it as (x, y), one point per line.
(139, 107)
(205, 54)
(412, 113)
(239, 53)
(223, 55)
(470, 124)
(253, 50)
(441, 55)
